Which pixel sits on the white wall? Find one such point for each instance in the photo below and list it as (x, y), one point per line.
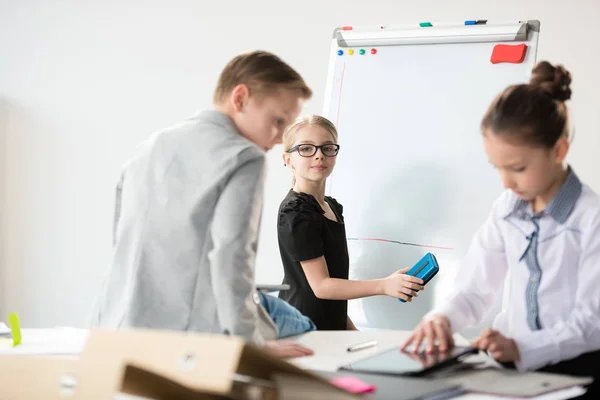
(83, 82)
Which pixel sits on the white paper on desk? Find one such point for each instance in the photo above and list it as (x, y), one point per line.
(563, 394)
(318, 362)
(57, 341)
(4, 329)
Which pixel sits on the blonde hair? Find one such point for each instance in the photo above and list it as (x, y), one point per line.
(291, 132)
(261, 71)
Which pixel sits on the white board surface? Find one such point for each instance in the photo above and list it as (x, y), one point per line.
(412, 167)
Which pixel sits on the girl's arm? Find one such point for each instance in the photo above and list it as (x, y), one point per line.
(396, 285)
(481, 275)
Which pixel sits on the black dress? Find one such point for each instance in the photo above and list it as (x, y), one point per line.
(304, 234)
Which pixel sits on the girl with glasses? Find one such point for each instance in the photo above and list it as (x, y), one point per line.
(312, 235)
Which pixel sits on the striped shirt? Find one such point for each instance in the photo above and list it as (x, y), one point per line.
(551, 262)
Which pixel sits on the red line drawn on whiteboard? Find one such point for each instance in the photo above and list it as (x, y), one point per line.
(402, 243)
(337, 118)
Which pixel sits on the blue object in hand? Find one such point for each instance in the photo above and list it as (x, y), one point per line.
(425, 269)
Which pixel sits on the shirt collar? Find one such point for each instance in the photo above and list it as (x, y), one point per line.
(561, 205)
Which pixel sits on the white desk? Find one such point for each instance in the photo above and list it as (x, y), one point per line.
(51, 342)
(331, 353)
(331, 347)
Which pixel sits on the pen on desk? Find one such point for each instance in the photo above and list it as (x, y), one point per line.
(362, 346)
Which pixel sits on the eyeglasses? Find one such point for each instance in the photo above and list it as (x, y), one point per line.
(309, 150)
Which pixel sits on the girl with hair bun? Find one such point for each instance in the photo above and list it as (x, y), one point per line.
(543, 232)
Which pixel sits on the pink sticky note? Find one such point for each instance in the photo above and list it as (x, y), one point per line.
(353, 385)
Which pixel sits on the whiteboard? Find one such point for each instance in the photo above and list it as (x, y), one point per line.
(412, 173)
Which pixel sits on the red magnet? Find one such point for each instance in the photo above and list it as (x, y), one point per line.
(505, 53)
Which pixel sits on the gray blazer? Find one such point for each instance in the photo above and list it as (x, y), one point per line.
(187, 219)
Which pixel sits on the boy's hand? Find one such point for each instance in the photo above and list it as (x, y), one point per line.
(500, 347)
(286, 349)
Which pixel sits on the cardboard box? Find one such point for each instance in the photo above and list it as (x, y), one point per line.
(161, 365)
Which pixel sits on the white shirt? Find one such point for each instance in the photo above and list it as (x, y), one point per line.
(553, 260)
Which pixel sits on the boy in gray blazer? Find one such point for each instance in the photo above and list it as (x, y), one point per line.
(188, 210)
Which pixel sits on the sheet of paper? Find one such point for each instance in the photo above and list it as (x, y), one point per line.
(558, 395)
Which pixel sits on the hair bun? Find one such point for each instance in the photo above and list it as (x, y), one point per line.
(554, 80)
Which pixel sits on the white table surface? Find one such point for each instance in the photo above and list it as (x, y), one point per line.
(330, 350)
(331, 353)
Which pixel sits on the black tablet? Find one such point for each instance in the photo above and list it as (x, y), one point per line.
(398, 362)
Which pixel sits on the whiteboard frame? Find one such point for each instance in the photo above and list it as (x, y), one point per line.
(409, 35)
(436, 34)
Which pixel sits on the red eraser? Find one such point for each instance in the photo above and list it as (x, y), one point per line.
(505, 53)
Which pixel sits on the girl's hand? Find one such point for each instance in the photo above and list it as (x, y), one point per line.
(433, 331)
(500, 347)
(402, 286)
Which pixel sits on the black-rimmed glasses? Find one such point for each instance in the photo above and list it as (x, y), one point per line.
(309, 150)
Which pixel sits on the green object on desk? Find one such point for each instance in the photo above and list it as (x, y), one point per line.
(15, 328)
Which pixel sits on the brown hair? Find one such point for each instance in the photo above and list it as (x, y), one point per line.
(535, 114)
(260, 71)
(290, 133)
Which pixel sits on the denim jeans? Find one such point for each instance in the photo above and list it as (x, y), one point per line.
(289, 321)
